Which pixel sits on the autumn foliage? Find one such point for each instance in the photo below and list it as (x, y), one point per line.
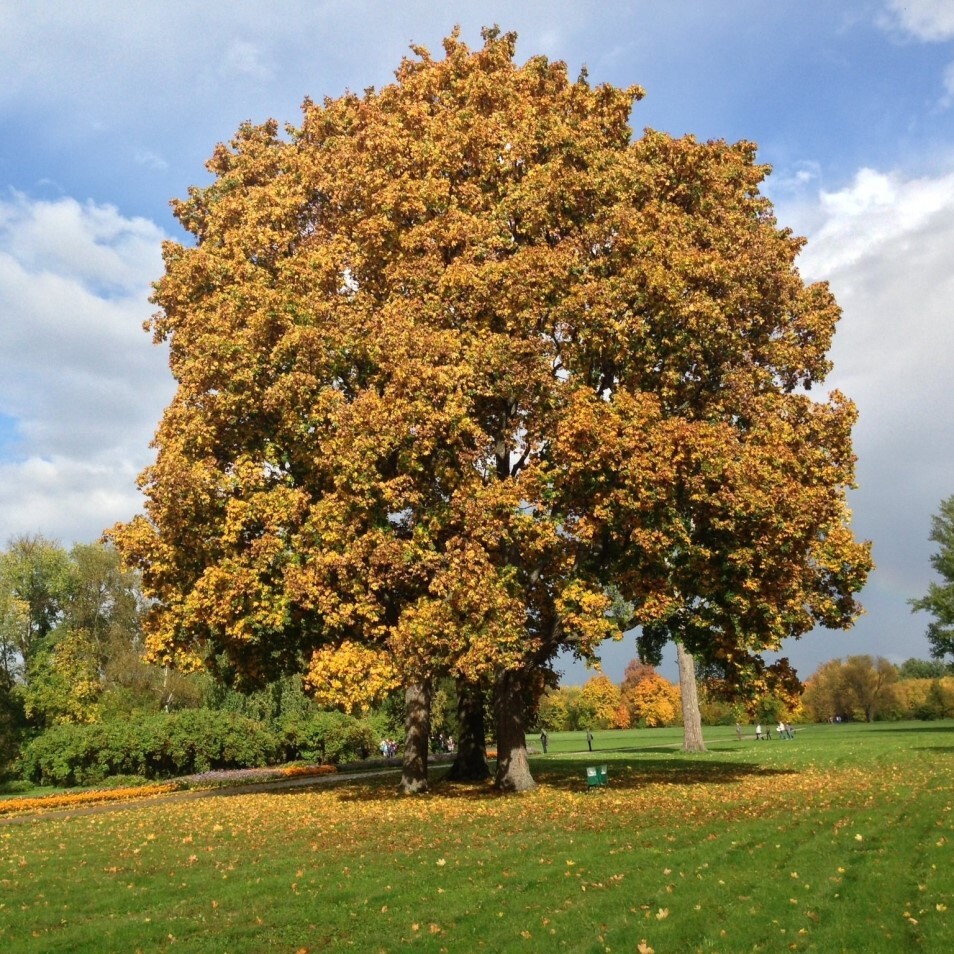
(455, 355)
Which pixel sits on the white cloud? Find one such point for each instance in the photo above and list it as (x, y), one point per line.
(876, 211)
(930, 20)
(77, 373)
(245, 59)
(884, 244)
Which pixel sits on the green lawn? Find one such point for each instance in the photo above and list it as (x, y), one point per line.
(837, 841)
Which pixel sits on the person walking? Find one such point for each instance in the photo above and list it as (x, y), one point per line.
(589, 739)
(543, 740)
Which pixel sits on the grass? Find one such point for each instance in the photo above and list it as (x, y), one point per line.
(837, 841)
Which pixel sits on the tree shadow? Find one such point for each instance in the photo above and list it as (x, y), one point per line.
(565, 775)
(947, 726)
(632, 774)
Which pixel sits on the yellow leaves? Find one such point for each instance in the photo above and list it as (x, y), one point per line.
(350, 676)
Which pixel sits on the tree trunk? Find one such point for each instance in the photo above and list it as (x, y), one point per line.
(513, 766)
(417, 702)
(691, 717)
(470, 763)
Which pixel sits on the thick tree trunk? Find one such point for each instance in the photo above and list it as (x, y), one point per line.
(417, 702)
(470, 763)
(691, 717)
(513, 766)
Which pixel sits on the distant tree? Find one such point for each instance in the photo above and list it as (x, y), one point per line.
(635, 672)
(923, 669)
(939, 599)
(651, 699)
(860, 687)
(94, 639)
(604, 698)
(567, 709)
(34, 576)
(869, 684)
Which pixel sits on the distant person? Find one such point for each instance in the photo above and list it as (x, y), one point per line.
(758, 731)
(738, 730)
(589, 739)
(543, 740)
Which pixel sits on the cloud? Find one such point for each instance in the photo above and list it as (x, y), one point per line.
(245, 59)
(81, 386)
(883, 243)
(930, 20)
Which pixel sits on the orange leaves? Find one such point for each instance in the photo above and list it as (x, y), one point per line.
(456, 356)
(73, 799)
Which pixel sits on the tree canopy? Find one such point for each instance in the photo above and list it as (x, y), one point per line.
(939, 599)
(456, 355)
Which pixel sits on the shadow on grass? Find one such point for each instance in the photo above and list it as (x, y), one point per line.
(947, 726)
(569, 775)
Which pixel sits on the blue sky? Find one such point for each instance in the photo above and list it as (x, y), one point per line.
(109, 109)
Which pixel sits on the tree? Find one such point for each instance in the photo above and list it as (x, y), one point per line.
(860, 687)
(604, 698)
(692, 740)
(651, 700)
(939, 599)
(452, 356)
(922, 669)
(34, 576)
(93, 647)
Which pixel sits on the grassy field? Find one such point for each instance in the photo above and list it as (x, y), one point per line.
(839, 840)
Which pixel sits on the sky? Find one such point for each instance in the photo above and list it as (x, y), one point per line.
(108, 110)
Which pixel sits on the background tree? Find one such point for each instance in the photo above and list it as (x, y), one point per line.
(34, 574)
(939, 599)
(860, 687)
(604, 698)
(652, 700)
(451, 357)
(924, 669)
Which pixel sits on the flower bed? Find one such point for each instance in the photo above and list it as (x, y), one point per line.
(9, 806)
(214, 779)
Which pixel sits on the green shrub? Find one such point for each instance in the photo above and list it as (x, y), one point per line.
(164, 745)
(329, 737)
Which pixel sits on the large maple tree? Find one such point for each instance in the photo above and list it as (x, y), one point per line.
(454, 355)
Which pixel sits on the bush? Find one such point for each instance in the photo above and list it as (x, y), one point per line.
(329, 737)
(157, 746)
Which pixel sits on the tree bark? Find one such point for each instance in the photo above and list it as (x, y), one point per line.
(470, 763)
(691, 717)
(417, 701)
(513, 766)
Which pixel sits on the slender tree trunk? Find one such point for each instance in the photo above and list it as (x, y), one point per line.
(470, 763)
(513, 766)
(417, 703)
(691, 717)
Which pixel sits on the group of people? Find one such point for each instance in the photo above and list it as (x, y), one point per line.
(389, 748)
(439, 743)
(784, 730)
